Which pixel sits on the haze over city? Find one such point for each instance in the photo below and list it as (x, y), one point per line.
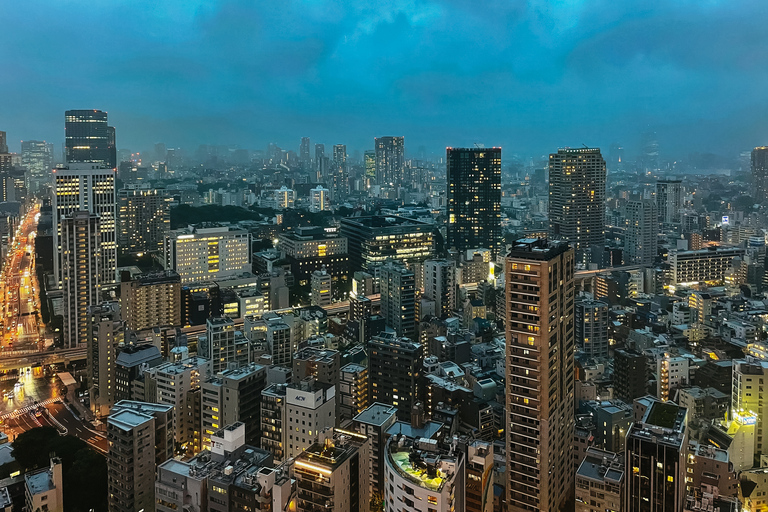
(528, 76)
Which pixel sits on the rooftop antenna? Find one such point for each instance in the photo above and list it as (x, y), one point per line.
(479, 145)
(585, 146)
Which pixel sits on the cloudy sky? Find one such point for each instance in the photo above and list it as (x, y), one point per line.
(527, 75)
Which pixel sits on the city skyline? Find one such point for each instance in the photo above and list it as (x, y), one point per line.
(549, 76)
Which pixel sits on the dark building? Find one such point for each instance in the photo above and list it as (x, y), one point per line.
(474, 198)
(373, 240)
(577, 201)
(715, 374)
(198, 302)
(760, 173)
(308, 249)
(390, 160)
(130, 364)
(395, 372)
(630, 375)
(89, 139)
(656, 449)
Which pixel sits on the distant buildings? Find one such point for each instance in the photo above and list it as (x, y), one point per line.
(89, 139)
(641, 238)
(540, 388)
(143, 218)
(760, 173)
(704, 266)
(390, 160)
(319, 199)
(373, 240)
(577, 201)
(669, 201)
(474, 198)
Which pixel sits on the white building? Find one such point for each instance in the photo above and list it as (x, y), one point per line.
(319, 199)
(208, 252)
(321, 288)
(672, 372)
(284, 197)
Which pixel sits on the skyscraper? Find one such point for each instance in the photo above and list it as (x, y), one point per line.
(592, 327)
(320, 161)
(760, 173)
(89, 188)
(395, 366)
(669, 201)
(80, 258)
(540, 380)
(339, 177)
(440, 285)
(37, 159)
(106, 332)
(143, 218)
(650, 155)
(3, 142)
(577, 201)
(474, 198)
(398, 299)
(390, 160)
(369, 163)
(641, 238)
(89, 139)
(304, 159)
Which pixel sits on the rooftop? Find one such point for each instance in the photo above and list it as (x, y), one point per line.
(380, 221)
(39, 482)
(376, 414)
(536, 249)
(317, 355)
(421, 461)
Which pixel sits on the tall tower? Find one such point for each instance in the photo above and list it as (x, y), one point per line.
(390, 160)
(577, 201)
(760, 173)
(80, 258)
(474, 198)
(304, 157)
(144, 219)
(641, 239)
(540, 379)
(440, 285)
(320, 161)
(89, 139)
(398, 298)
(105, 333)
(369, 163)
(88, 188)
(669, 201)
(339, 175)
(37, 158)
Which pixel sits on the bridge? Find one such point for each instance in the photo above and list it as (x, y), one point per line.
(15, 360)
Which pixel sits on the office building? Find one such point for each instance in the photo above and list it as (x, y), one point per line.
(178, 384)
(89, 188)
(140, 436)
(540, 387)
(130, 364)
(630, 372)
(81, 285)
(292, 416)
(760, 173)
(106, 333)
(704, 266)
(353, 391)
(423, 474)
(233, 396)
(143, 219)
(208, 252)
(338, 177)
(319, 199)
(440, 286)
(308, 249)
(749, 399)
(369, 166)
(474, 199)
(600, 481)
(320, 162)
(223, 344)
(395, 366)
(591, 318)
(37, 159)
(304, 159)
(389, 160)
(577, 201)
(655, 458)
(320, 288)
(319, 363)
(373, 240)
(44, 488)
(398, 299)
(640, 239)
(669, 201)
(333, 473)
(280, 341)
(151, 300)
(89, 140)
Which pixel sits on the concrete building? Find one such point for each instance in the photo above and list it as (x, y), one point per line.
(107, 332)
(319, 199)
(540, 389)
(332, 473)
(320, 284)
(143, 219)
(641, 237)
(422, 474)
(390, 160)
(151, 300)
(311, 248)
(140, 436)
(86, 188)
(44, 488)
(233, 396)
(398, 299)
(440, 286)
(480, 477)
(600, 481)
(592, 327)
(353, 391)
(208, 252)
(130, 364)
(373, 422)
(80, 273)
(748, 398)
(705, 266)
(669, 201)
(630, 372)
(577, 201)
(373, 240)
(223, 345)
(672, 372)
(395, 366)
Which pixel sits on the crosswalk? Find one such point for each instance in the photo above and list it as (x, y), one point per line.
(28, 408)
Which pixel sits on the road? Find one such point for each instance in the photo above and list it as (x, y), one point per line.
(22, 328)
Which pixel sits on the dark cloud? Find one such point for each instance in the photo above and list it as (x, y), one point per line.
(530, 76)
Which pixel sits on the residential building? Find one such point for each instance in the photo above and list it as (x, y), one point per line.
(630, 375)
(669, 201)
(320, 286)
(143, 219)
(480, 476)
(44, 488)
(540, 387)
(749, 399)
(474, 198)
(440, 286)
(151, 300)
(130, 364)
(641, 237)
(319, 199)
(106, 332)
(577, 201)
(600, 481)
(390, 160)
(398, 298)
(373, 422)
(353, 391)
(208, 252)
(672, 372)
(592, 327)
(223, 345)
(395, 366)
